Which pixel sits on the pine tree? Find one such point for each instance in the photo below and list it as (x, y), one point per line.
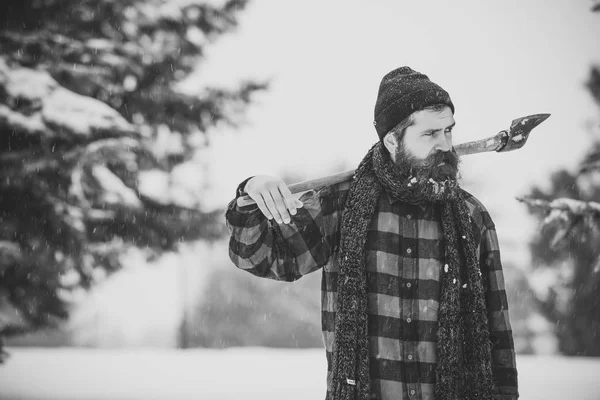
(567, 250)
(90, 120)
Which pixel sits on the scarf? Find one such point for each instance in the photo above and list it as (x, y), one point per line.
(463, 369)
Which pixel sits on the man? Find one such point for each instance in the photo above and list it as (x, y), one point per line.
(413, 299)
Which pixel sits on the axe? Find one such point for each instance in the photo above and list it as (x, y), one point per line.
(502, 142)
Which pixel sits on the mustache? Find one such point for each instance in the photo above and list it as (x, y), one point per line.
(450, 158)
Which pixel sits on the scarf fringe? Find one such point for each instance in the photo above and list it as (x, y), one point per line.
(343, 390)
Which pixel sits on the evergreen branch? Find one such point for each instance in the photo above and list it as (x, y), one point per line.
(548, 306)
(571, 206)
(591, 283)
(88, 155)
(590, 167)
(564, 231)
(69, 165)
(596, 269)
(182, 112)
(591, 161)
(593, 83)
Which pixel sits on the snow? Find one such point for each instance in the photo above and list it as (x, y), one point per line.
(143, 304)
(575, 206)
(541, 280)
(114, 191)
(517, 138)
(81, 115)
(250, 373)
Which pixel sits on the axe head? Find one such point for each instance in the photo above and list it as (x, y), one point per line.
(519, 131)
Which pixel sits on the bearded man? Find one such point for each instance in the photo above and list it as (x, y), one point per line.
(413, 297)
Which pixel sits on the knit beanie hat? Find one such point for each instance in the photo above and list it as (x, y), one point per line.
(402, 92)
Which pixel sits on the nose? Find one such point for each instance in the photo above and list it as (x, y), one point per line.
(444, 143)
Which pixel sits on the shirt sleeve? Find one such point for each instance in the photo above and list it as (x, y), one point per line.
(285, 251)
(504, 366)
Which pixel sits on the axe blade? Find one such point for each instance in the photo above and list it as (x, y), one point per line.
(519, 131)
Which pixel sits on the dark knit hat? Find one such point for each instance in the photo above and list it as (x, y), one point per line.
(402, 92)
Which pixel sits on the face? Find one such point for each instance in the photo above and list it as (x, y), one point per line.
(426, 148)
(430, 132)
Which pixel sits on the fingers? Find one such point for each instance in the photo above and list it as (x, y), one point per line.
(273, 198)
(277, 206)
(291, 202)
(256, 190)
(260, 202)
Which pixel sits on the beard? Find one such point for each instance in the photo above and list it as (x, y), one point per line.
(417, 181)
(439, 167)
(434, 178)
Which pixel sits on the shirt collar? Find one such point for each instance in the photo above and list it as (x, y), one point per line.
(393, 200)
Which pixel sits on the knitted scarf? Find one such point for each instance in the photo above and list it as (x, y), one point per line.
(463, 369)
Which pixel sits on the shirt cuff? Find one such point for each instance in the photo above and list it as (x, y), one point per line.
(239, 192)
(234, 209)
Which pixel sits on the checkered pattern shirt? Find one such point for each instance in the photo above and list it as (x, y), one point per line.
(404, 261)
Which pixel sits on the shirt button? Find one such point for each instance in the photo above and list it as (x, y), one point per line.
(409, 216)
(410, 357)
(409, 250)
(409, 320)
(412, 391)
(408, 284)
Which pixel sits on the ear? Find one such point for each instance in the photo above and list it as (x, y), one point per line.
(390, 142)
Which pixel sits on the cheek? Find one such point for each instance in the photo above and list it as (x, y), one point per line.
(422, 149)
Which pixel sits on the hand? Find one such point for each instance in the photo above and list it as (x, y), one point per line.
(273, 197)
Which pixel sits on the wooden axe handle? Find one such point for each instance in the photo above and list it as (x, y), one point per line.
(493, 143)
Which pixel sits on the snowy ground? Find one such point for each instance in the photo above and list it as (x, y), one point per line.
(248, 373)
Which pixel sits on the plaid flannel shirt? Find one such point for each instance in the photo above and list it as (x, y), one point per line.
(404, 260)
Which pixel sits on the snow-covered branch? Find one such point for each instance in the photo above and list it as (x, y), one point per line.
(571, 206)
(590, 166)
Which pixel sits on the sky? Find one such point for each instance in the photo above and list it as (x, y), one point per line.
(499, 60)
